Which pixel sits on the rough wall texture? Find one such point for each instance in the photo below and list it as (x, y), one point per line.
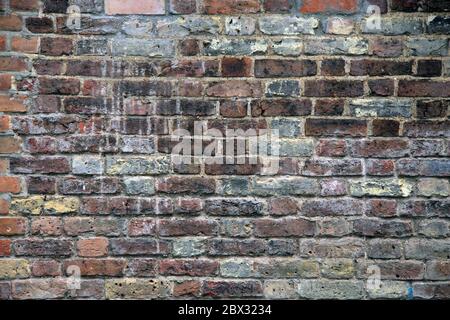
(88, 184)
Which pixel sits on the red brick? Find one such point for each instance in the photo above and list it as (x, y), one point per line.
(438, 270)
(281, 107)
(333, 187)
(96, 267)
(382, 208)
(227, 289)
(5, 247)
(406, 5)
(55, 6)
(25, 84)
(2, 43)
(429, 68)
(192, 68)
(334, 88)
(56, 46)
(386, 47)
(189, 205)
(278, 6)
(24, 5)
(39, 25)
(92, 247)
(338, 127)
(329, 107)
(186, 288)
(149, 7)
(385, 128)
(335, 6)
(67, 86)
(333, 67)
(187, 227)
(9, 104)
(9, 144)
(233, 109)
(236, 67)
(270, 68)
(336, 167)
(380, 68)
(332, 148)
(4, 166)
(142, 267)
(382, 87)
(183, 6)
(231, 6)
(380, 148)
(13, 64)
(85, 68)
(189, 47)
(289, 166)
(95, 88)
(12, 226)
(380, 167)
(423, 88)
(4, 206)
(5, 83)
(224, 169)
(5, 123)
(41, 145)
(27, 164)
(26, 45)
(10, 184)
(47, 226)
(46, 268)
(283, 206)
(142, 227)
(10, 23)
(48, 67)
(402, 270)
(371, 227)
(269, 228)
(432, 108)
(190, 88)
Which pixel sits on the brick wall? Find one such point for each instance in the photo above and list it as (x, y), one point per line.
(89, 104)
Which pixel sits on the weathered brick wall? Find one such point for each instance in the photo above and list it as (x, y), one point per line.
(88, 184)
